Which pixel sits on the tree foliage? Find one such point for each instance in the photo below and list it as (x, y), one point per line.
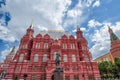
(109, 69)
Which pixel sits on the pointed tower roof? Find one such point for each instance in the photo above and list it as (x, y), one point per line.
(78, 28)
(31, 26)
(113, 37)
(13, 50)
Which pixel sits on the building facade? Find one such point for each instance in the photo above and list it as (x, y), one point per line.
(106, 57)
(35, 58)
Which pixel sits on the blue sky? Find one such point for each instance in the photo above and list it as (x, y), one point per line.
(93, 17)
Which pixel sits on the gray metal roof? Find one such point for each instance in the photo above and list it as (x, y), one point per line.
(55, 34)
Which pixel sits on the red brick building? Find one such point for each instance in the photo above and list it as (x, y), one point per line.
(35, 58)
(115, 44)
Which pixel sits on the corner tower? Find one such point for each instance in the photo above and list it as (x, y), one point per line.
(26, 43)
(115, 44)
(82, 44)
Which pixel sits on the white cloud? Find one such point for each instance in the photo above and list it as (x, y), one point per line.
(4, 54)
(94, 23)
(5, 34)
(81, 28)
(116, 29)
(2, 20)
(96, 3)
(101, 39)
(101, 42)
(78, 14)
(47, 15)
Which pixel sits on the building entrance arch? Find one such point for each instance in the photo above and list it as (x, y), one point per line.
(52, 77)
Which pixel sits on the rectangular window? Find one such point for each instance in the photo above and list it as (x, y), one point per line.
(73, 58)
(46, 45)
(91, 77)
(72, 46)
(21, 57)
(67, 77)
(76, 77)
(64, 46)
(65, 58)
(37, 46)
(45, 58)
(86, 58)
(36, 57)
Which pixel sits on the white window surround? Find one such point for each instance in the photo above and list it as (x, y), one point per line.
(72, 46)
(45, 58)
(64, 46)
(65, 58)
(37, 46)
(21, 57)
(86, 58)
(36, 57)
(73, 58)
(46, 45)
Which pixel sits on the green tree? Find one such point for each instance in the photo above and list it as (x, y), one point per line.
(117, 66)
(106, 68)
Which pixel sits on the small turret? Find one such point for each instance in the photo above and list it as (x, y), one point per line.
(12, 51)
(79, 33)
(30, 32)
(10, 56)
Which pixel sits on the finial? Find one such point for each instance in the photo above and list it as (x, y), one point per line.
(32, 23)
(78, 28)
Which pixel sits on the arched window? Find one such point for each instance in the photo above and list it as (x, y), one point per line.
(36, 57)
(86, 58)
(73, 58)
(21, 57)
(45, 58)
(65, 58)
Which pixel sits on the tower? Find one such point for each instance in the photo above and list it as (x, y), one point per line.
(84, 53)
(25, 46)
(115, 44)
(113, 37)
(10, 56)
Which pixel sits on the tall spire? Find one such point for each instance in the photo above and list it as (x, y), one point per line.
(110, 30)
(30, 30)
(78, 32)
(31, 23)
(78, 28)
(113, 37)
(13, 50)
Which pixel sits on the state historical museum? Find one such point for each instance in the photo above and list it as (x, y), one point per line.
(35, 58)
